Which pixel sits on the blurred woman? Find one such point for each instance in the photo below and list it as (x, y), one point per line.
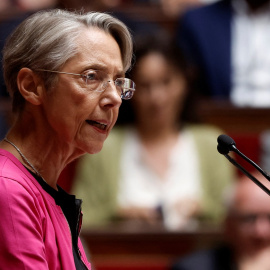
(165, 167)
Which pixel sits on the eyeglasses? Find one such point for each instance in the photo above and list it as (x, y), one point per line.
(97, 80)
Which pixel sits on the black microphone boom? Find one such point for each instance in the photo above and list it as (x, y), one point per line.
(227, 144)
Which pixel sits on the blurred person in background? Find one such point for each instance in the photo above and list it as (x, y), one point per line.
(246, 232)
(166, 168)
(227, 44)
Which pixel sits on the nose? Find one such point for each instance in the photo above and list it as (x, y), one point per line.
(111, 96)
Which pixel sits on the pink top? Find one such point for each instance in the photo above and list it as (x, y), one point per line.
(34, 233)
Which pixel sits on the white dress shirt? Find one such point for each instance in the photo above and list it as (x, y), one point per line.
(250, 56)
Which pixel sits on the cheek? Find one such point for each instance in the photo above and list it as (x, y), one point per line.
(65, 106)
(178, 96)
(179, 88)
(67, 110)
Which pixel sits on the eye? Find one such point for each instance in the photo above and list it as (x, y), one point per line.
(119, 82)
(92, 75)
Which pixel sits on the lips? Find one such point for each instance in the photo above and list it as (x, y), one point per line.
(97, 124)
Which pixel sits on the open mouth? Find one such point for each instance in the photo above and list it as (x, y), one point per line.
(97, 124)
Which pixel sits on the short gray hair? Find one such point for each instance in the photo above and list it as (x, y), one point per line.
(47, 40)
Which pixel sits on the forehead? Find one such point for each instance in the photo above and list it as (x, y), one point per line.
(154, 60)
(97, 49)
(153, 65)
(250, 197)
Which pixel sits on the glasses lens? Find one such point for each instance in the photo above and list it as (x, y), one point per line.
(128, 94)
(127, 87)
(97, 80)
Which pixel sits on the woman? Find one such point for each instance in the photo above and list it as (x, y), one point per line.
(65, 73)
(164, 162)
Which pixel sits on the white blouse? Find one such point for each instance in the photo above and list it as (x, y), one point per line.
(140, 186)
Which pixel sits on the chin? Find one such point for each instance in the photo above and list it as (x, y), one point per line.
(96, 149)
(94, 152)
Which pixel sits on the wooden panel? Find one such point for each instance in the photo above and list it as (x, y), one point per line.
(131, 246)
(233, 119)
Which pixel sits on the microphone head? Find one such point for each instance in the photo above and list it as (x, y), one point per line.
(225, 144)
(223, 150)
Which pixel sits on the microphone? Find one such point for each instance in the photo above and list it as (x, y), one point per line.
(227, 144)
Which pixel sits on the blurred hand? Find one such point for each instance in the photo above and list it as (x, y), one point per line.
(148, 215)
(182, 214)
(188, 207)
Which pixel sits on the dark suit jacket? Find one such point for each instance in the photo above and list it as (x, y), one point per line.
(219, 258)
(204, 34)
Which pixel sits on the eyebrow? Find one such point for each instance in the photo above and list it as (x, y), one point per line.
(119, 73)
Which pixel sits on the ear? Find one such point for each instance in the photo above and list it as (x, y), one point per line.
(30, 86)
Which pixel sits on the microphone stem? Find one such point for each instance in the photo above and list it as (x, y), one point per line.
(242, 169)
(251, 162)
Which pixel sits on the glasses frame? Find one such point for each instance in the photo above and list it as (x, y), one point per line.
(104, 83)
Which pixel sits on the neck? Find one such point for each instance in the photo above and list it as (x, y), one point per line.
(24, 158)
(47, 155)
(156, 134)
